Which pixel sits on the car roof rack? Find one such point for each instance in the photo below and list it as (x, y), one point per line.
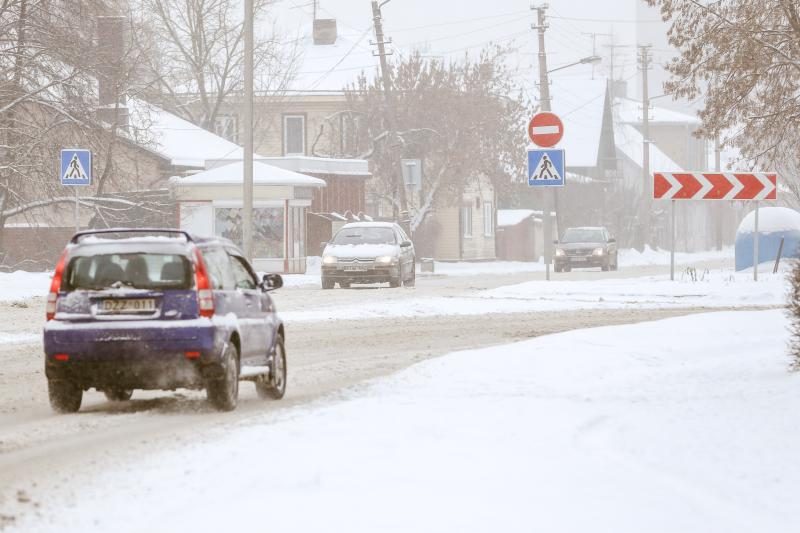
(81, 234)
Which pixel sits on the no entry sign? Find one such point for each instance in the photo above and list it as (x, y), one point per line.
(545, 129)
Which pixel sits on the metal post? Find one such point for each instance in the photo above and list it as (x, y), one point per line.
(544, 102)
(247, 181)
(755, 247)
(672, 242)
(647, 179)
(77, 211)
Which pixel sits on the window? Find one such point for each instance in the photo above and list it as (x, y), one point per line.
(227, 127)
(365, 235)
(488, 219)
(268, 229)
(244, 279)
(294, 135)
(466, 221)
(219, 268)
(146, 271)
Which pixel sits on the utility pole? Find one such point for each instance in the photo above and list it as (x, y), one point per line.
(247, 181)
(391, 119)
(647, 191)
(719, 212)
(544, 104)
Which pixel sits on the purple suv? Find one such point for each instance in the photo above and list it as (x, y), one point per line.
(160, 310)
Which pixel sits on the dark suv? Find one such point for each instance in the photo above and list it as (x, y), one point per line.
(160, 310)
(584, 248)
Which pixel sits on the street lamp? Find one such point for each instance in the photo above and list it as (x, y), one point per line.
(590, 60)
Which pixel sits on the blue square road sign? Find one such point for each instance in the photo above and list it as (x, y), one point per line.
(76, 167)
(546, 168)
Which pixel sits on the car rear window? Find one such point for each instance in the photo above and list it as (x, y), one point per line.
(136, 270)
(365, 236)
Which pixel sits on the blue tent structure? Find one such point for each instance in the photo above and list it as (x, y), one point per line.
(774, 224)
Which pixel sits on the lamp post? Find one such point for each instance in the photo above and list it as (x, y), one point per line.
(247, 179)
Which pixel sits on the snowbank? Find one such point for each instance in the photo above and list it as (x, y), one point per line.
(719, 289)
(23, 285)
(681, 425)
(771, 220)
(651, 257)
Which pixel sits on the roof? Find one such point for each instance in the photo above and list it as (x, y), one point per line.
(263, 174)
(184, 144)
(512, 217)
(629, 142)
(630, 111)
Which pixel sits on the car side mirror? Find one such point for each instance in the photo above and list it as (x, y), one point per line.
(405, 244)
(271, 282)
(612, 240)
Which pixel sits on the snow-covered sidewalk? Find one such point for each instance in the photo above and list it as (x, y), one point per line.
(688, 424)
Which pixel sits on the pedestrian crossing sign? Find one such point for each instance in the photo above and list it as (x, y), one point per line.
(76, 167)
(546, 168)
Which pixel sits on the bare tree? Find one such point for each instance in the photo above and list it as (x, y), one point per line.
(743, 57)
(464, 119)
(201, 55)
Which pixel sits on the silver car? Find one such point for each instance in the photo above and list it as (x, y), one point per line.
(369, 252)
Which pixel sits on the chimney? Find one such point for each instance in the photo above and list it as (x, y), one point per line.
(325, 31)
(112, 105)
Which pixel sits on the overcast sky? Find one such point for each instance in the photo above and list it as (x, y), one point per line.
(449, 28)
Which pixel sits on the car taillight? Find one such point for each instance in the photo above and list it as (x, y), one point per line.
(55, 287)
(205, 296)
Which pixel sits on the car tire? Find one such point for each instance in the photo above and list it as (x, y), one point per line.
(274, 387)
(558, 268)
(327, 284)
(223, 393)
(65, 396)
(118, 395)
(395, 282)
(412, 281)
(344, 284)
(566, 268)
(606, 267)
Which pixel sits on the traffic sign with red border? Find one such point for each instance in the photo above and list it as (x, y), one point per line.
(545, 129)
(715, 186)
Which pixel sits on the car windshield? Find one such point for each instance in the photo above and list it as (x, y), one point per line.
(136, 270)
(583, 235)
(365, 235)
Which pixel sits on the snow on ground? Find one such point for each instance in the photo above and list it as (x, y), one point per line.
(21, 285)
(631, 257)
(688, 424)
(7, 338)
(718, 289)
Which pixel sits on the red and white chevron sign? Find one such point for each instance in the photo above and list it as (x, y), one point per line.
(715, 186)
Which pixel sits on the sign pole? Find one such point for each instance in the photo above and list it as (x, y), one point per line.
(672, 242)
(77, 212)
(755, 248)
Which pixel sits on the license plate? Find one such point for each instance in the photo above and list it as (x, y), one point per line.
(123, 306)
(578, 259)
(355, 268)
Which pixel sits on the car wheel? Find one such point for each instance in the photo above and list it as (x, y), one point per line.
(274, 386)
(395, 282)
(566, 268)
(327, 284)
(65, 396)
(605, 268)
(616, 262)
(118, 395)
(558, 268)
(412, 281)
(344, 284)
(223, 393)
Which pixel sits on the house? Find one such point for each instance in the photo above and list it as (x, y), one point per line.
(520, 235)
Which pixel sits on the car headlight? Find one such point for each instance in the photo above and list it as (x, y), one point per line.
(330, 260)
(560, 252)
(385, 260)
(599, 251)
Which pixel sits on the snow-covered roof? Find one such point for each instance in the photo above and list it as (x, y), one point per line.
(308, 165)
(630, 111)
(629, 141)
(580, 105)
(771, 220)
(512, 217)
(263, 174)
(184, 144)
(333, 67)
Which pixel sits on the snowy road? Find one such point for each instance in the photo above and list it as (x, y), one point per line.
(41, 452)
